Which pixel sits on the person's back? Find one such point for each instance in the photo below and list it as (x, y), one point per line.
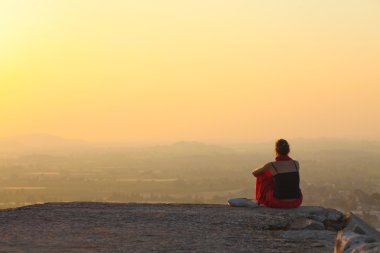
(286, 178)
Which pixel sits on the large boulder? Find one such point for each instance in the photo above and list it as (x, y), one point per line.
(357, 236)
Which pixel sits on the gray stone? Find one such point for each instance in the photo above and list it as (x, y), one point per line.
(318, 213)
(328, 237)
(242, 202)
(309, 234)
(305, 223)
(368, 248)
(357, 236)
(359, 226)
(317, 244)
(320, 218)
(349, 242)
(333, 215)
(312, 212)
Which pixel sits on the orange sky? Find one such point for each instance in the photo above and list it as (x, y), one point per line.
(206, 70)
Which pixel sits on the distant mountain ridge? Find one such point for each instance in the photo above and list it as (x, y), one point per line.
(45, 143)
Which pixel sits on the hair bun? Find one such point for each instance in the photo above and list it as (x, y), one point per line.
(282, 147)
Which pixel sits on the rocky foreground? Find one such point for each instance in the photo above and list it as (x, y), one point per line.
(109, 227)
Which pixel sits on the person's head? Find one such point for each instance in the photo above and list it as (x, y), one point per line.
(282, 147)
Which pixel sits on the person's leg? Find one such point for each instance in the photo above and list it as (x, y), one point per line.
(264, 184)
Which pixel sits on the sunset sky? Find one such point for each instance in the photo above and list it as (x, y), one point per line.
(204, 70)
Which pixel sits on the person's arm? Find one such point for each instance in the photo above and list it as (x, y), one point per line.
(260, 170)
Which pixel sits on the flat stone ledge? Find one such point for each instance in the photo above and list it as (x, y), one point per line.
(116, 227)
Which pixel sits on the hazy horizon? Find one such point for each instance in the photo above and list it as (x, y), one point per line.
(55, 145)
(47, 136)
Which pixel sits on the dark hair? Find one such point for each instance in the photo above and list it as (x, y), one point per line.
(282, 147)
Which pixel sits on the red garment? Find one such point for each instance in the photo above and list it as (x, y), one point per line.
(265, 187)
(283, 158)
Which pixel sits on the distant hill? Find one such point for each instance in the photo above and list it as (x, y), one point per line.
(45, 143)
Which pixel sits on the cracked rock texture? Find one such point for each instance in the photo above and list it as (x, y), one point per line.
(113, 227)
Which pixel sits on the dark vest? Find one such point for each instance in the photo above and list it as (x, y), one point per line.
(287, 185)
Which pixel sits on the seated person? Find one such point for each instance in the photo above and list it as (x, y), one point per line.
(277, 183)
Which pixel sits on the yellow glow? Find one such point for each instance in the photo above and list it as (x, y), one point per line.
(190, 70)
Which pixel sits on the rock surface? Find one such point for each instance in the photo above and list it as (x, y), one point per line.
(357, 236)
(353, 242)
(110, 227)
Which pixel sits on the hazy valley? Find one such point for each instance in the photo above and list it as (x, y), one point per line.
(342, 174)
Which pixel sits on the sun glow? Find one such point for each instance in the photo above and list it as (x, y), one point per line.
(197, 70)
